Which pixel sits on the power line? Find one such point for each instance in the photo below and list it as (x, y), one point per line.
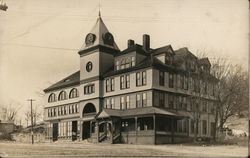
(44, 47)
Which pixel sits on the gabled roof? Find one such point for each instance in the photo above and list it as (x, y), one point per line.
(204, 61)
(167, 48)
(73, 79)
(183, 52)
(99, 30)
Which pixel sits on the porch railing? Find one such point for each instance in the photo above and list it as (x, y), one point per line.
(102, 137)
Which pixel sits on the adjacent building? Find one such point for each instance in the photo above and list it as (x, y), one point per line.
(139, 95)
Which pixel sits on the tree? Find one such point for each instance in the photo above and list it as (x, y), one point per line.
(10, 112)
(232, 90)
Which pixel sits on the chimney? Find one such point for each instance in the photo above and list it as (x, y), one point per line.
(131, 43)
(146, 42)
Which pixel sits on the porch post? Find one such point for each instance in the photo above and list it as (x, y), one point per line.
(97, 130)
(154, 129)
(80, 136)
(111, 130)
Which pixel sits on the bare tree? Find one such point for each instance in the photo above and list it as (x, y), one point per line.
(10, 111)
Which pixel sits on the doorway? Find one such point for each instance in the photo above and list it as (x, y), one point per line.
(74, 130)
(55, 132)
(86, 130)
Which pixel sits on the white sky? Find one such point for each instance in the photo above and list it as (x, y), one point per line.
(39, 39)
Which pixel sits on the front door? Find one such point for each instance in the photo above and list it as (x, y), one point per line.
(55, 131)
(86, 130)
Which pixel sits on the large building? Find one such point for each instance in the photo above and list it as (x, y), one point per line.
(139, 95)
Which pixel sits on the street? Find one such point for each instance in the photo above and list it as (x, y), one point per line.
(84, 149)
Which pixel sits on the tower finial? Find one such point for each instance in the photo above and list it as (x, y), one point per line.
(99, 13)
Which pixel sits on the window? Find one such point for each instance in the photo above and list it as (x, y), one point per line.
(59, 111)
(127, 102)
(133, 61)
(88, 89)
(73, 93)
(161, 78)
(138, 100)
(70, 111)
(144, 78)
(180, 103)
(127, 81)
(161, 100)
(144, 99)
(123, 63)
(185, 82)
(117, 65)
(184, 104)
(127, 62)
(77, 108)
(65, 110)
(49, 113)
(52, 98)
(62, 96)
(204, 127)
(73, 109)
(108, 103)
(171, 81)
(171, 101)
(110, 84)
(112, 105)
(123, 106)
(204, 106)
(138, 79)
(124, 81)
(54, 111)
(192, 126)
(181, 81)
(141, 78)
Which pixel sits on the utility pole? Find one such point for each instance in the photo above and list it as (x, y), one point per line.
(31, 115)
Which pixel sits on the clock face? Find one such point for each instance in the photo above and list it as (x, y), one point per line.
(89, 66)
(108, 38)
(90, 39)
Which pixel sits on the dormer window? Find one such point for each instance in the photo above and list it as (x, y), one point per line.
(133, 61)
(125, 62)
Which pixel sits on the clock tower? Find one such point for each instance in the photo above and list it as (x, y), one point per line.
(97, 52)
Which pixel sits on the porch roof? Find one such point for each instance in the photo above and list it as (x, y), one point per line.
(135, 112)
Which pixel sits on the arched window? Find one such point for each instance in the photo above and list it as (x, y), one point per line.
(52, 98)
(73, 93)
(62, 96)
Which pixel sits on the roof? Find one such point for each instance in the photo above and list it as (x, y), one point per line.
(149, 61)
(164, 49)
(99, 30)
(137, 111)
(204, 61)
(136, 47)
(182, 53)
(73, 79)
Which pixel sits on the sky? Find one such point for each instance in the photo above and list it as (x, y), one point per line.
(39, 39)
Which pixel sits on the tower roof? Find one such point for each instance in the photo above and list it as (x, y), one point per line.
(99, 32)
